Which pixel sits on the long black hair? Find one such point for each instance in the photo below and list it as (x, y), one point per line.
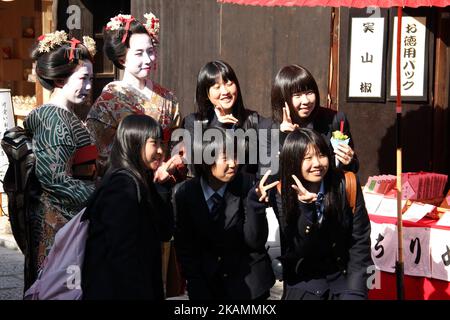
(289, 80)
(129, 143)
(208, 75)
(54, 66)
(291, 158)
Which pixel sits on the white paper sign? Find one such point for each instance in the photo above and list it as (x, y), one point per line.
(6, 122)
(372, 201)
(440, 254)
(274, 228)
(444, 220)
(417, 211)
(273, 238)
(416, 251)
(366, 57)
(383, 238)
(412, 57)
(388, 207)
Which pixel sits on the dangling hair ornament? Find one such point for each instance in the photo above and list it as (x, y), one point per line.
(152, 26)
(127, 27)
(73, 45)
(120, 21)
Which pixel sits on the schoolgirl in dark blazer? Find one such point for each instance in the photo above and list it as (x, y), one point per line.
(295, 101)
(325, 247)
(128, 220)
(220, 254)
(220, 104)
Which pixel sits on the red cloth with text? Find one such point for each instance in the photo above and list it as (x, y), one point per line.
(416, 288)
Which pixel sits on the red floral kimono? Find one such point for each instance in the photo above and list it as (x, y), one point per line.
(119, 99)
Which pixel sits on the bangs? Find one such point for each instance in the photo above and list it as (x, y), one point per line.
(225, 73)
(320, 147)
(217, 72)
(156, 133)
(301, 83)
(314, 149)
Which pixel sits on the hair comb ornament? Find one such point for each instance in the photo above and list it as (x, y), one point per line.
(152, 25)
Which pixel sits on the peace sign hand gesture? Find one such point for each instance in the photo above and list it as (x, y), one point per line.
(303, 195)
(166, 169)
(261, 190)
(287, 125)
(223, 117)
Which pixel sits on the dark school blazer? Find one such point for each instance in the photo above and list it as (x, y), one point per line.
(123, 248)
(313, 252)
(221, 257)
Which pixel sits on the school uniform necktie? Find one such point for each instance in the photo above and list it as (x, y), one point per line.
(217, 200)
(319, 206)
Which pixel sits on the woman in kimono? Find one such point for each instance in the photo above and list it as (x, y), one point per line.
(132, 47)
(65, 157)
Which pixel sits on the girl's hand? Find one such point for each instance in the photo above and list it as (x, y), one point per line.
(303, 195)
(261, 190)
(166, 169)
(344, 153)
(287, 125)
(224, 118)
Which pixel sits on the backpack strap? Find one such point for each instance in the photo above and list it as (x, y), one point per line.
(93, 197)
(138, 190)
(350, 189)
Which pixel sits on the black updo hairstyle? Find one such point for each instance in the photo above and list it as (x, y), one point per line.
(113, 46)
(55, 65)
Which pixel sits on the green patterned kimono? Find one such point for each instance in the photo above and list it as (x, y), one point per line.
(57, 135)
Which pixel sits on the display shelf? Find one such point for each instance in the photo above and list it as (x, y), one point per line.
(11, 70)
(15, 55)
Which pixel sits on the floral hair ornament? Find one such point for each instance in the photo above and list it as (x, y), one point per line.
(89, 43)
(49, 41)
(120, 21)
(152, 25)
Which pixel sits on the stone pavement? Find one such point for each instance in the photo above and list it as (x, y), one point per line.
(11, 264)
(11, 269)
(275, 293)
(11, 274)
(6, 237)
(11, 277)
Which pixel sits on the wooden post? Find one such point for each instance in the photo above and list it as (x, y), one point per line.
(333, 69)
(440, 151)
(399, 263)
